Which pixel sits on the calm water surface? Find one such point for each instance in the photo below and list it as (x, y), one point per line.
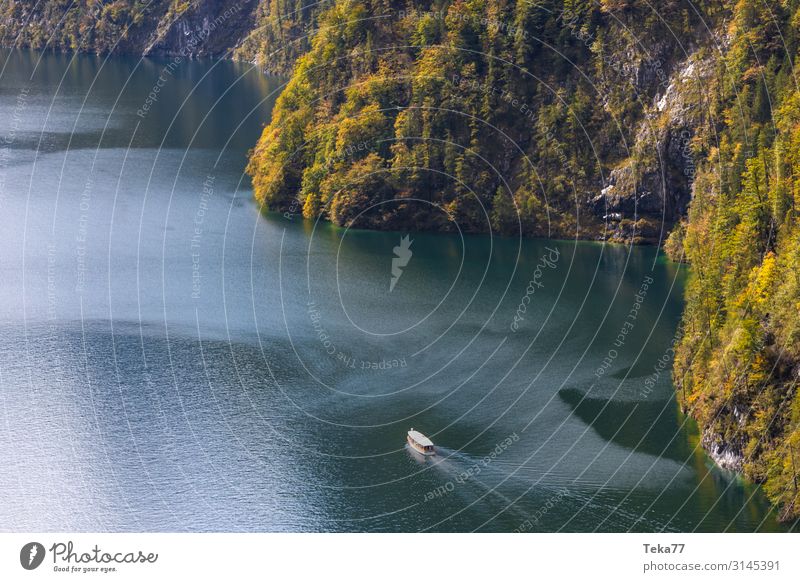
(172, 360)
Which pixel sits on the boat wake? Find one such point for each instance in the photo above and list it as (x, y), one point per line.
(474, 480)
(505, 487)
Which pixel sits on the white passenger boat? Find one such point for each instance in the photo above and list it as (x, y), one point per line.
(420, 443)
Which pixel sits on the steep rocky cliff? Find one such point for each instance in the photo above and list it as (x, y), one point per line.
(202, 27)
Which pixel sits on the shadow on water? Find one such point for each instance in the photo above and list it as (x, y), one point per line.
(646, 426)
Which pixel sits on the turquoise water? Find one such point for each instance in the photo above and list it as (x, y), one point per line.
(171, 359)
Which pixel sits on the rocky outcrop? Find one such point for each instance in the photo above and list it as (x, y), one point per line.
(656, 180)
(202, 28)
(725, 454)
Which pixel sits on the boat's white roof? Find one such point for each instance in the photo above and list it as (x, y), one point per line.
(420, 438)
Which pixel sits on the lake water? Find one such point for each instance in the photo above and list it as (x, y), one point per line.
(173, 360)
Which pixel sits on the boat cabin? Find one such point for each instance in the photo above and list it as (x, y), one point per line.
(420, 443)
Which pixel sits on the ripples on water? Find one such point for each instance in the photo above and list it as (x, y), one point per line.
(137, 396)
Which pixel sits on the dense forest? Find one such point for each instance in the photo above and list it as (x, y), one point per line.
(738, 364)
(516, 117)
(676, 123)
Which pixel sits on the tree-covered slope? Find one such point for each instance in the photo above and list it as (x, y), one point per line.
(270, 33)
(738, 364)
(532, 117)
(85, 25)
(282, 31)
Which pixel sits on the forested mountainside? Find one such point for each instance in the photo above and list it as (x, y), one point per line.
(619, 120)
(738, 364)
(271, 33)
(546, 118)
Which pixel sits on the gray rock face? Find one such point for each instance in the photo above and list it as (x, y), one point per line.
(656, 180)
(726, 455)
(205, 28)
